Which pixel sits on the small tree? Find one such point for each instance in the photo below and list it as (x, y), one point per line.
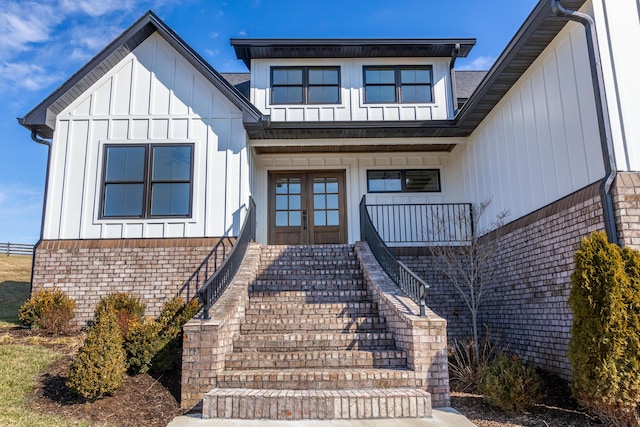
(605, 338)
(99, 368)
(469, 265)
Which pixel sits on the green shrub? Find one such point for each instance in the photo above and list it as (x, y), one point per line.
(50, 310)
(129, 309)
(510, 384)
(155, 344)
(99, 367)
(605, 344)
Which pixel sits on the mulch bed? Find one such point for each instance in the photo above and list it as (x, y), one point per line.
(153, 400)
(556, 409)
(143, 400)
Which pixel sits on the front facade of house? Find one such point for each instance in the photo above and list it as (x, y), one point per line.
(155, 155)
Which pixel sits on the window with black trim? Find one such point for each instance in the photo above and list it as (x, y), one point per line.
(393, 84)
(403, 181)
(305, 85)
(147, 180)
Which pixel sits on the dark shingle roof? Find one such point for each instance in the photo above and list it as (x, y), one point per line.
(467, 82)
(241, 81)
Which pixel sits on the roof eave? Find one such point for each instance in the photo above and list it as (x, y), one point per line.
(513, 62)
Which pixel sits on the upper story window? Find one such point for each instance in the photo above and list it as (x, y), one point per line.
(147, 180)
(305, 85)
(403, 181)
(405, 84)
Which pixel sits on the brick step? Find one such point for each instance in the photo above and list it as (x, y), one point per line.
(322, 296)
(312, 323)
(311, 262)
(352, 308)
(244, 403)
(300, 341)
(309, 272)
(263, 284)
(307, 249)
(317, 379)
(317, 359)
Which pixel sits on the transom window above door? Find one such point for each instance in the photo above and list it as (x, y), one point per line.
(397, 84)
(147, 180)
(305, 85)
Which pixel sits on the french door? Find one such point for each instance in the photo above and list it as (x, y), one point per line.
(307, 208)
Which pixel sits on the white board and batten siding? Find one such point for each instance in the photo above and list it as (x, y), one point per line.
(541, 142)
(152, 96)
(352, 106)
(618, 25)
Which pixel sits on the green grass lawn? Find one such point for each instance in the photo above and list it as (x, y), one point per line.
(15, 277)
(19, 365)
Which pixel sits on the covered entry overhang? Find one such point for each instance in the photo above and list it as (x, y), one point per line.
(308, 191)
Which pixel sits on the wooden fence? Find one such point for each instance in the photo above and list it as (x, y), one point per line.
(16, 249)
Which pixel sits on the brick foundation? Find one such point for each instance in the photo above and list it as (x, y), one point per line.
(626, 201)
(87, 270)
(526, 307)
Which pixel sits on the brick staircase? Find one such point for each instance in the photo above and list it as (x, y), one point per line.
(313, 345)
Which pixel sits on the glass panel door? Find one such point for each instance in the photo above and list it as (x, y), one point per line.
(307, 208)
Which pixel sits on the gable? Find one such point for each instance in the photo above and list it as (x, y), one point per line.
(154, 79)
(42, 119)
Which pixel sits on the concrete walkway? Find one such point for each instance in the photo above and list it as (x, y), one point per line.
(442, 417)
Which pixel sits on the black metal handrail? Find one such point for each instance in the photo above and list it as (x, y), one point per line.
(441, 223)
(406, 279)
(216, 284)
(206, 269)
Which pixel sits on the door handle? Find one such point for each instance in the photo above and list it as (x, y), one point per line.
(304, 219)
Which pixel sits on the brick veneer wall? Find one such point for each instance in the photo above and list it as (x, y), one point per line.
(424, 339)
(526, 307)
(87, 270)
(626, 201)
(206, 342)
(443, 299)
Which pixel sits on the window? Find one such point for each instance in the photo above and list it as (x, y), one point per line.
(403, 181)
(305, 85)
(397, 84)
(150, 180)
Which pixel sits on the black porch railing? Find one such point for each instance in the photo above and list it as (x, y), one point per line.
(206, 269)
(444, 223)
(406, 280)
(216, 284)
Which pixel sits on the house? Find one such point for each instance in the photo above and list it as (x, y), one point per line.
(155, 158)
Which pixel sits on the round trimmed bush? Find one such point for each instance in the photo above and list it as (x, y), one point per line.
(129, 309)
(50, 310)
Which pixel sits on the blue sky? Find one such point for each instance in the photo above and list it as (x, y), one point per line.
(44, 42)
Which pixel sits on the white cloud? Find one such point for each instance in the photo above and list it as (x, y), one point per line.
(27, 76)
(96, 8)
(43, 41)
(242, 33)
(22, 24)
(480, 63)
